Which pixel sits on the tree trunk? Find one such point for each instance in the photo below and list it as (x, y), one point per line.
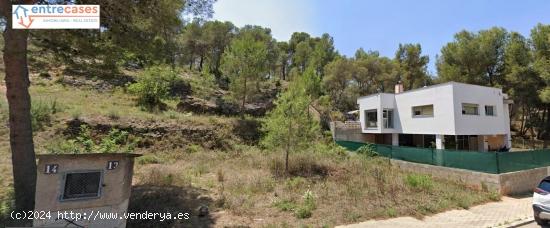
(287, 150)
(19, 102)
(284, 71)
(244, 97)
(522, 126)
(201, 62)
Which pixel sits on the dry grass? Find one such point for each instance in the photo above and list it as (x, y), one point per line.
(345, 189)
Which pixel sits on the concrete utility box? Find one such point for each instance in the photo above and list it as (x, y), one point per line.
(93, 187)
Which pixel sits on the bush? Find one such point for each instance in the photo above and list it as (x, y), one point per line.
(148, 159)
(285, 205)
(7, 205)
(368, 150)
(154, 85)
(41, 114)
(305, 210)
(115, 141)
(419, 181)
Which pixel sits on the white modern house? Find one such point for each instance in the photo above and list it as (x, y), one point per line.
(445, 116)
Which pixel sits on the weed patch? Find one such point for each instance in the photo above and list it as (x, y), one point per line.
(419, 181)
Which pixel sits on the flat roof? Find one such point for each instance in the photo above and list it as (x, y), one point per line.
(88, 155)
(429, 87)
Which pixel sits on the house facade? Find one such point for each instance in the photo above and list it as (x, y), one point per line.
(445, 116)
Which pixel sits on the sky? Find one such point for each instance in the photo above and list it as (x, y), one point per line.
(382, 25)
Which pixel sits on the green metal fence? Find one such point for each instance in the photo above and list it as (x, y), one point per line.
(488, 162)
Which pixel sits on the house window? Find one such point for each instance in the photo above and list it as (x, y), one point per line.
(490, 110)
(82, 185)
(371, 119)
(423, 111)
(470, 109)
(387, 116)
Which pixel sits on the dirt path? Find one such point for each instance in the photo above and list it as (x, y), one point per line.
(496, 214)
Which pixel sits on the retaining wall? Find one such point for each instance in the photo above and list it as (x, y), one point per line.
(512, 183)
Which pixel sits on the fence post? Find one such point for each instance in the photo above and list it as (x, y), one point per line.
(498, 163)
(433, 162)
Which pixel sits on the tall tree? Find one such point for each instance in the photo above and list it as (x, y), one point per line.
(284, 59)
(522, 81)
(338, 76)
(540, 36)
(246, 63)
(136, 32)
(323, 53)
(412, 65)
(218, 36)
(476, 58)
(372, 73)
(19, 101)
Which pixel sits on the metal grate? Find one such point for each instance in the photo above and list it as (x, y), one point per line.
(82, 185)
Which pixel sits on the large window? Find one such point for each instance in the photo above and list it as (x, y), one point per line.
(423, 111)
(82, 185)
(490, 110)
(470, 109)
(387, 116)
(371, 119)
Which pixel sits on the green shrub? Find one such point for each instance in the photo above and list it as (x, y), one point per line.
(419, 181)
(41, 114)
(61, 146)
(494, 195)
(305, 210)
(148, 159)
(7, 205)
(464, 202)
(172, 114)
(285, 205)
(391, 212)
(368, 150)
(153, 85)
(115, 141)
(192, 148)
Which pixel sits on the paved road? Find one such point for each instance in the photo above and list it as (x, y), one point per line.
(495, 214)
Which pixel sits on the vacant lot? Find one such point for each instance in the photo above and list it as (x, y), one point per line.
(207, 161)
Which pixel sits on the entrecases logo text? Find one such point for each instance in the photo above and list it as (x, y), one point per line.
(55, 16)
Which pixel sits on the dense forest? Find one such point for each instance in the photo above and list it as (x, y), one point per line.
(243, 59)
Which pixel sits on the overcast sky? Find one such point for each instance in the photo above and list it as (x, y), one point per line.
(382, 25)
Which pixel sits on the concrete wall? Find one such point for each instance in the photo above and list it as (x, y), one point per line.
(342, 132)
(479, 124)
(440, 96)
(115, 190)
(507, 183)
(369, 103)
(522, 181)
